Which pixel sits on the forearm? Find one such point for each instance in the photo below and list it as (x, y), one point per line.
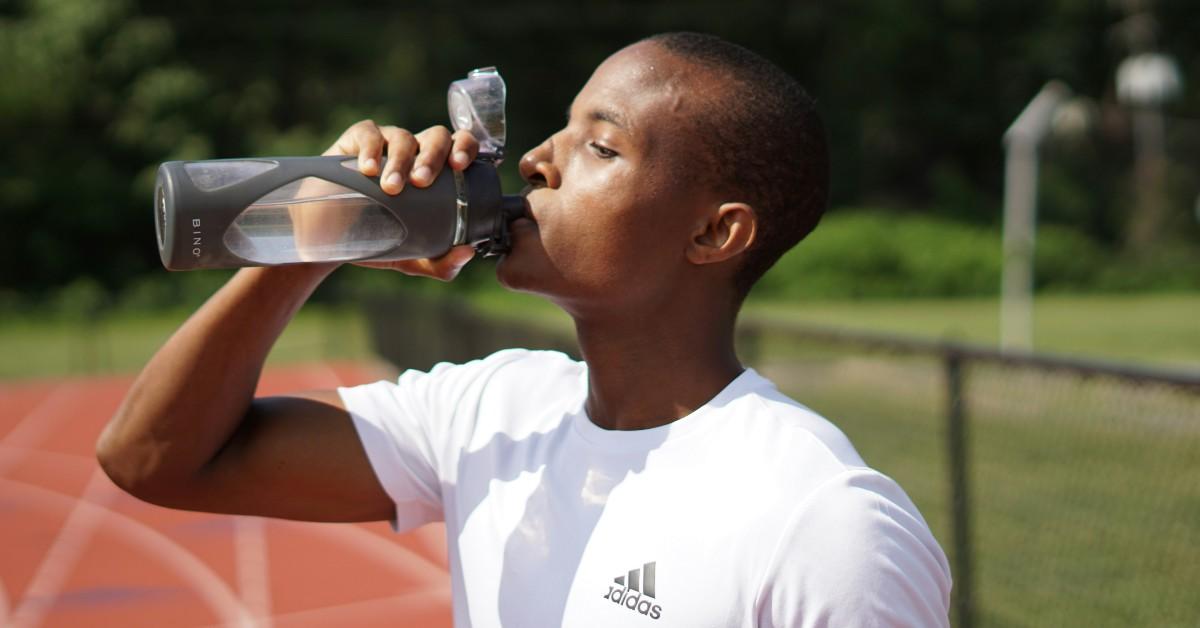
(195, 391)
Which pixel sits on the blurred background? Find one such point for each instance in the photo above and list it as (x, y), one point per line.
(1064, 488)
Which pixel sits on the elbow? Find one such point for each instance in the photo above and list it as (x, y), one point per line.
(118, 464)
(132, 468)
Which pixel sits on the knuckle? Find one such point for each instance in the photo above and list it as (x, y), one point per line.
(435, 135)
(465, 136)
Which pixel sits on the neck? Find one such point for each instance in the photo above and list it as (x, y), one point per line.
(649, 369)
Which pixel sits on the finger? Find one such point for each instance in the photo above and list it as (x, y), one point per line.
(434, 147)
(458, 256)
(401, 151)
(444, 268)
(344, 145)
(464, 150)
(449, 265)
(367, 137)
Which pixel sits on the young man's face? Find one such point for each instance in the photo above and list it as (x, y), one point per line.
(613, 202)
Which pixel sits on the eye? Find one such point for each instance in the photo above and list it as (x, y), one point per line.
(602, 152)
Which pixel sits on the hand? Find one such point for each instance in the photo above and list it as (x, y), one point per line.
(416, 159)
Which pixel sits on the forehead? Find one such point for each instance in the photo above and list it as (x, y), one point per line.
(647, 88)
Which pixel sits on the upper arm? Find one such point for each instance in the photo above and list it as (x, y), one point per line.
(294, 457)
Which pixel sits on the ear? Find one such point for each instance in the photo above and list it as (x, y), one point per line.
(723, 234)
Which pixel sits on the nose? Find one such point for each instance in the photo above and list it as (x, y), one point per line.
(537, 166)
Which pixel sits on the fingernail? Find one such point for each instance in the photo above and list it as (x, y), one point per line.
(460, 157)
(369, 164)
(393, 179)
(422, 173)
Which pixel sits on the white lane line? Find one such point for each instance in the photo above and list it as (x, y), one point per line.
(36, 424)
(354, 613)
(15, 447)
(78, 461)
(253, 570)
(61, 557)
(214, 591)
(391, 554)
(4, 604)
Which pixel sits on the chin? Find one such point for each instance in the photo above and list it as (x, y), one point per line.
(527, 274)
(514, 275)
(525, 263)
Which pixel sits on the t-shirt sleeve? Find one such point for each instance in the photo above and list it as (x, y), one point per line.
(413, 428)
(856, 553)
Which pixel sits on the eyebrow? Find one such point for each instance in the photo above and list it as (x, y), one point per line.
(605, 115)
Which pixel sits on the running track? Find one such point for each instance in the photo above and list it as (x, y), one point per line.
(76, 551)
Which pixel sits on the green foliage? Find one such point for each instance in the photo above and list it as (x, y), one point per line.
(916, 96)
(1067, 260)
(82, 300)
(877, 254)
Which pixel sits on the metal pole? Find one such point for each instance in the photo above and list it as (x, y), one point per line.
(1021, 142)
(1020, 211)
(960, 504)
(1150, 168)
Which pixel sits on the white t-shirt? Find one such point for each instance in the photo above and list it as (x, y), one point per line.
(751, 511)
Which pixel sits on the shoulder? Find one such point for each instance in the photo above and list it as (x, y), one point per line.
(456, 394)
(511, 372)
(847, 546)
(510, 362)
(783, 439)
(856, 551)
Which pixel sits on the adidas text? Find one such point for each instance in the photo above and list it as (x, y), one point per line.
(622, 596)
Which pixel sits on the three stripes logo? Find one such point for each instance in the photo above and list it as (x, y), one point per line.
(635, 591)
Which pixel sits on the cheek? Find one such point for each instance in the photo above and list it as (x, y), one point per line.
(615, 254)
(607, 234)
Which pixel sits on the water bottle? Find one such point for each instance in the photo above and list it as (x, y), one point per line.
(229, 213)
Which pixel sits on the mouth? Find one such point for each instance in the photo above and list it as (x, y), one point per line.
(528, 214)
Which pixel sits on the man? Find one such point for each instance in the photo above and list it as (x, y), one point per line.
(657, 483)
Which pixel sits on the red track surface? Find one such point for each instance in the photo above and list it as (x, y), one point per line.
(76, 551)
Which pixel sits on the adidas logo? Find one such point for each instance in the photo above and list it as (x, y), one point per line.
(635, 591)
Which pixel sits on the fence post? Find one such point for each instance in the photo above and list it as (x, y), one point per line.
(960, 504)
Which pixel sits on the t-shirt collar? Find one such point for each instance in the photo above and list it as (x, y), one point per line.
(632, 440)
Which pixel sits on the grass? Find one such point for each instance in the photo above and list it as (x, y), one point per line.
(1159, 330)
(31, 347)
(1162, 330)
(1085, 494)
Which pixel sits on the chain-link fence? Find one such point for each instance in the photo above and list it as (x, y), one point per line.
(1064, 493)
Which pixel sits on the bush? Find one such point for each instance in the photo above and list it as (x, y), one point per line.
(858, 253)
(863, 253)
(1065, 260)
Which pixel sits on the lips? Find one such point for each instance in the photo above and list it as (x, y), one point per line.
(528, 215)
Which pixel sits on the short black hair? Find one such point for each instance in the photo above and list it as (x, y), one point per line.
(765, 145)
